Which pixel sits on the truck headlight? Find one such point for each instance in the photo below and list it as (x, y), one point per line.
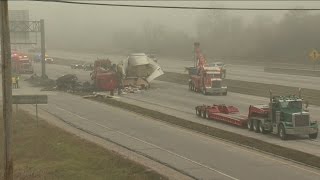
(312, 123)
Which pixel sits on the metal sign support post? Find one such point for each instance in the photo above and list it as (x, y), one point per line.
(6, 90)
(43, 50)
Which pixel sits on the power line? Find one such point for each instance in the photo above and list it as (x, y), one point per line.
(178, 7)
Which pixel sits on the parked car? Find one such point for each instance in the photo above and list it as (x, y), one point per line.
(49, 60)
(87, 67)
(76, 66)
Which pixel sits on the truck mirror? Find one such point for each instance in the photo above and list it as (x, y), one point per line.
(307, 104)
(299, 92)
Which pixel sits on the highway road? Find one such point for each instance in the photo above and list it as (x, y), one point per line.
(197, 155)
(251, 73)
(176, 97)
(176, 100)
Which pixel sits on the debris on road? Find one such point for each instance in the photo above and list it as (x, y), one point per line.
(39, 81)
(130, 76)
(67, 82)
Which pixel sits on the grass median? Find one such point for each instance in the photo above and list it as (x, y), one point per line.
(47, 152)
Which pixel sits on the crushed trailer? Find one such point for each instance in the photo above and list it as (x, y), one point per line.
(139, 70)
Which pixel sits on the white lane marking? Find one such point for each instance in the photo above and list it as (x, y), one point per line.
(168, 151)
(239, 147)
(225, 143)
(231, 145)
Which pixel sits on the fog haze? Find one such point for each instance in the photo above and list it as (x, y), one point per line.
(104, 28)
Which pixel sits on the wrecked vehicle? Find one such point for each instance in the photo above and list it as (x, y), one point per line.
(104, 75)
(153, 57)
(88, 67)
(68, 82)
(139, 70)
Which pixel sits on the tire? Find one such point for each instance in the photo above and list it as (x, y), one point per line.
(225, 93)
(207, 115)
(256, 126)
(198, 112)
(313, 136)
(261, 128)
(203, 114)
(204, 91)
(250, 125)
(282, 133)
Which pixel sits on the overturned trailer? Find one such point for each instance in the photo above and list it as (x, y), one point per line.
(139, 70)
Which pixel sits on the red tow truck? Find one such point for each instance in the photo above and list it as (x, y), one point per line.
(204, 77)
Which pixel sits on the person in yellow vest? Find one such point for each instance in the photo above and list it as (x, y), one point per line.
(14, 83)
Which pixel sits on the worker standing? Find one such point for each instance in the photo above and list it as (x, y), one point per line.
(17, 81)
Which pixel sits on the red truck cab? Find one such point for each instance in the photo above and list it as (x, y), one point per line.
(21, 63)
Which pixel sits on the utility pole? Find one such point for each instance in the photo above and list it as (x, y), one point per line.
(43, 50)
(6, 89)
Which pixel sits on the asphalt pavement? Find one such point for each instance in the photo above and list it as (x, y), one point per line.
(235, 71)
(199, 156)
(177, 100)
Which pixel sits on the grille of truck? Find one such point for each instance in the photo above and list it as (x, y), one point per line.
(216, 84)
(301, 120)
(26, 66)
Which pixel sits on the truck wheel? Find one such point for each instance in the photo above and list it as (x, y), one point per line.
(198, 112)
(225, 93)
(204, 91)
(256, 126)
(207, 115)
(313, 136)
(249, 125)
(282, 132)
(203, 114)
(261, 128)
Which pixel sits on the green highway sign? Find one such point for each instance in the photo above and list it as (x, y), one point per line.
(29, 99)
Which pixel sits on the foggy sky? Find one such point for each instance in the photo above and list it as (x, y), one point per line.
(68, 23)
